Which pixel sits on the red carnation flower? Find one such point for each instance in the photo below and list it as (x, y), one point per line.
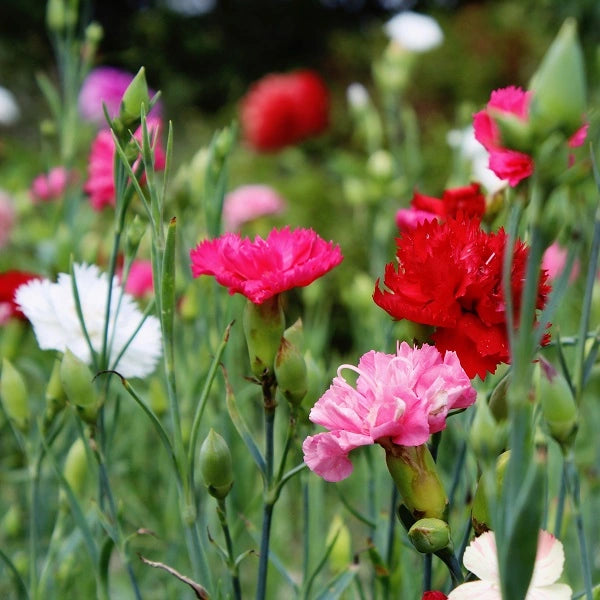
(10, 281)
(284, 109)
(434, 595)
(450, 276)
(467, 200)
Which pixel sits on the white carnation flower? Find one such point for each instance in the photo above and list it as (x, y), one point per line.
(357, 95)
(9, 109)
(414, 32)
(51, 309)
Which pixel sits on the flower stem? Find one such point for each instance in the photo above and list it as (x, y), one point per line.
(560, 508)
(261, 588)
(235, 580)
(427, 562)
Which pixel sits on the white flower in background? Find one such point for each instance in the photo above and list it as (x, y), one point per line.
(468, 148)
(414, 32)
(357, 95)
(9, 109)
(51, 309)
(481, 558)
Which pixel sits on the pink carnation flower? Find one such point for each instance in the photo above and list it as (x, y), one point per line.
(250, 202)
(506, 163)
(100, 185)
(404, 397)
(554, 260)
(260, 269)
(139, 282)
(7, 218)
(45, 188)
(106, 85)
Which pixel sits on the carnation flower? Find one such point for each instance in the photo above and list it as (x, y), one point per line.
(554, 261)
(481, 558)
(357, 95)
(100, 183)
(52, 311)
(507, 163)
(52, 186)
(139, 281)
(284, 109)
(414, 32)
(7, 218)
(250, 202)
(434, 595)
(260, 269)
(402, 398)
(106, 85)
(449, 275)
(10, 282)
(9, 109)
(468, 201)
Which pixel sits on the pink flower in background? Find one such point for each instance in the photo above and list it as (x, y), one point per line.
(404, 396)
(7, 218)
(554, 260)
(139, 283)
(106, 85)
(481, 558)
(260, 269)
(100, 184)
(45, 188)
(250, 202)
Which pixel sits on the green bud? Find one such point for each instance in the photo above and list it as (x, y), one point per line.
(487, 437)
(94, 33)
(135, 232)
(498, 401)
(415, 474)
(158, 397)
(557, 402)
(559, 87)
(294, 334)
(76, 467)
(55, 394)
(480, 514)
(134, 97)
(430, 535)
(341, 551)
(56, 15)
(515, 133)
(216, 465)
(381, 165)
(263, 327)
(223, 143)
(12, 521)
(14, 395)
(76, 379)
(290, 371)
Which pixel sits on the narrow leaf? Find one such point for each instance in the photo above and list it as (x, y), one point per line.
(196, 587)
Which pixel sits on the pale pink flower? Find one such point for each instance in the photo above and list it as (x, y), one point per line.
(45, 188)
(100, 185)
(481, 558)
(404, 397)
(7, 218)
(250, 202)
(554, 260)
(260, 269)
(139, 282)
(106, 85)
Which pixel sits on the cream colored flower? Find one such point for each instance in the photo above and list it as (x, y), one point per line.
(414, 32)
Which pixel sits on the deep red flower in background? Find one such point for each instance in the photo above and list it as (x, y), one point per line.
(284, 109)
(260, 269)
(10, 281)
(434, 595)
(466, 200)
(449, 276)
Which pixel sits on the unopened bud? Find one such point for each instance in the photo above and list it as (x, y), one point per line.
(55, 15)
(14, 395)
(135, 233)
(340, 555)
(55, 394)
(430, 535)
(516, 133)
(216, 465)
(381, 165)
(76, 467)
(94, 33)
(487, 437)
(480, 513)
(134, 97)
(263, 327)
(76, 379)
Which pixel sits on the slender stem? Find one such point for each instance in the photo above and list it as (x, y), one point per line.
(235, 580)
(427, 562)
(291, 432)
(264, 552)
(389, 553)
(560, 508)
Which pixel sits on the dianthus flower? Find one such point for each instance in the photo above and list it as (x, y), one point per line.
(467, 200)
(139, 281)
(52, 311)
(481, 558)
(106, 85)
(100, 184)
(507, 163)
(555, 260)
(402, 398)
(261, 269)
(250, 202)
(414, 32)
(449, 275)
(10, 282)
(434, 595)
(45, 188)
(284, 109)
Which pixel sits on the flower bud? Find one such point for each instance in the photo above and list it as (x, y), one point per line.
(94, 33)
(480, 514)
(414, 472)
(216, 465)
(341, 552)
(487, 437)
(557, 402)
(134, 97)
(430, 535)
(498, 401)
(158, 397)
(55, 394)
(76, 467)
(76, 379)
(290, 371)
(55, 15)
(263, 327)
(135, 233)
(516, 133)
(381, 165)
(14, 395)
(559, 84)
(12, 521)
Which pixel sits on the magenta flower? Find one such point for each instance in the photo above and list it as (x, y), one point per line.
(100, 185)
(260, 269)
(402, 397)
(45, 188)
(106, 85)
(250, 202)
(139, 282)
(554, 261)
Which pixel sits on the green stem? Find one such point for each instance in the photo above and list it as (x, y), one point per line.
(427, 562)
(291, 432)
(235, 580)
(261, 588)
(560, 508)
